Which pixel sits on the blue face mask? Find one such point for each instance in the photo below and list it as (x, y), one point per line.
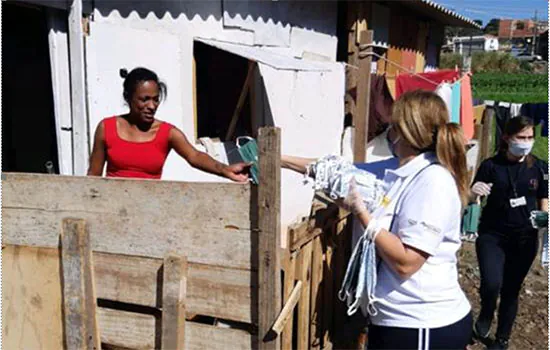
(520, 149)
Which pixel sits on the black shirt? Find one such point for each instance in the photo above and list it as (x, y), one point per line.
(511, 180)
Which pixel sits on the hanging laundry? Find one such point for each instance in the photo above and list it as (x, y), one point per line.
(515, 110)
(478, 113)
(455, 103)
(381, 102)
(539, 113)
(445, 92)
(426, 81)
(466, 107)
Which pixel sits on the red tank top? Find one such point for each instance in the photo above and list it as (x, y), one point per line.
(135, 159)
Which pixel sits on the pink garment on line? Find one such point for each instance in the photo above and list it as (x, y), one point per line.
(466, 107)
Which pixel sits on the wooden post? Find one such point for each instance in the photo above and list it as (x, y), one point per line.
(174, 290)
(79, 301)
(487, 134)
(361, 121)
(269, 240)
(78, 89)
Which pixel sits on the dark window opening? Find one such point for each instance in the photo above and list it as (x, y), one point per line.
(220, 77)
(28, 120)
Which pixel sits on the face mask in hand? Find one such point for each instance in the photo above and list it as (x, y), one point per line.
(520, 149)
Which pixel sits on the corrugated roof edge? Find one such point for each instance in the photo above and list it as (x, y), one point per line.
(450, 13)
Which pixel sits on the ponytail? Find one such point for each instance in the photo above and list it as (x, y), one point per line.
(451, 153)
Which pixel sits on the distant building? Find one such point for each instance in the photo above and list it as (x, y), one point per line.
(513, 28)
(471, 44)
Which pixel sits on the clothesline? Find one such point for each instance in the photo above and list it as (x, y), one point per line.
(410, 71)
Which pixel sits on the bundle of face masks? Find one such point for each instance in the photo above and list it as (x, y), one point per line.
(332, 175)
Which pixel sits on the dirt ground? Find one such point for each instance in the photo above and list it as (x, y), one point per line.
(531, 326)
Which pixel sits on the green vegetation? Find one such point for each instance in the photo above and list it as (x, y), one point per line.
(517, 88)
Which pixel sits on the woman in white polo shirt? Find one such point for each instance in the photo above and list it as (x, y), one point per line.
(417, 234)
(416, 231)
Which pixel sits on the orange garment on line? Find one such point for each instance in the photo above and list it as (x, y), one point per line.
(466, 107)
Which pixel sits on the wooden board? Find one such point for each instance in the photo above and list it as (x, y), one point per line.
(31, 298)
(210, 223)
(303, 268)
(211, 290)
(289, 283)
(269, 236)
(174, 288)
(79, 300)
(141, 331)
(316, 312)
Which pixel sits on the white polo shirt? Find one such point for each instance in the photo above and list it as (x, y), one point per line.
(428, 218)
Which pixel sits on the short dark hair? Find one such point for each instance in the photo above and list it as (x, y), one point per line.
(136, 76)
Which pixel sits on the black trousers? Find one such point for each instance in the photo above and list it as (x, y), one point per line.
(504, 261)
(454, 336)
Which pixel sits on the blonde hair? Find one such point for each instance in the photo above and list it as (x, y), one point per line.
(421, 118)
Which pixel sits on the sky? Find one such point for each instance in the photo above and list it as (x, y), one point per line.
(487, 9)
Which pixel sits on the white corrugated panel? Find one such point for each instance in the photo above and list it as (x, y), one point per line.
(269, 58)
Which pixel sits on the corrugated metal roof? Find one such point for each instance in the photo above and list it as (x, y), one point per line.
(268, 57)
(451, 13)
(446, 16)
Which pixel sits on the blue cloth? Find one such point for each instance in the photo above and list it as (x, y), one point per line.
(538, 112)
(379, 168)
(455, 103)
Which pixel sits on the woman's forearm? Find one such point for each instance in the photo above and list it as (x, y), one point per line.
(297, 164)
(204, 162)
(402, 259)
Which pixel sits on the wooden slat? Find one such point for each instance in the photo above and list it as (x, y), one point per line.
(304, 275)
(289, 283)
(329, 291)
(31, 298)
(141, 331)
(79, 301)
(240, 102)
(212, 291)
(361, 120)
(269, 235)
(288, 308)
(316, 312)
(207, 222)
(339, 268)
(78, 89)
(174, 287)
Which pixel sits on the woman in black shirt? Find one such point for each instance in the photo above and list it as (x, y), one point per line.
(516, 183)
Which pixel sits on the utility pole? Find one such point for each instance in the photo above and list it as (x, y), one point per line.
(533, 46)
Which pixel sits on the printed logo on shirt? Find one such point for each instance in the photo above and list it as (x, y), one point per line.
(431, 228)
(533, 184)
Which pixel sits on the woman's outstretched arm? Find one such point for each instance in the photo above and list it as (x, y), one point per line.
(297, 164)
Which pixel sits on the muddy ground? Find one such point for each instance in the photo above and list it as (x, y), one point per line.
(531, 327)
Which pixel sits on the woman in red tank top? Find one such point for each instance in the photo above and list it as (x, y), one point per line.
(135, 145)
